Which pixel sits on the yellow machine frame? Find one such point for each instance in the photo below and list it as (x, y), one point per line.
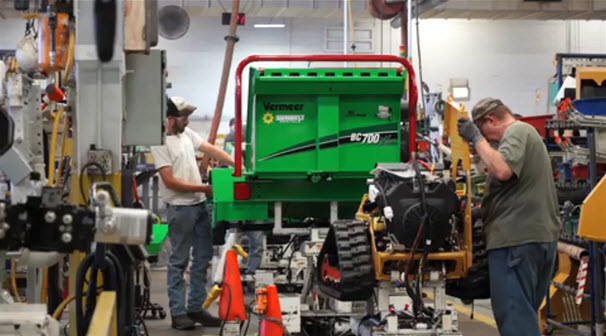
(460, 159)
(593, 216)
(104, 319)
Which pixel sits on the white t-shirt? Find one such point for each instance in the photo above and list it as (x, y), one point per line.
(179, 152)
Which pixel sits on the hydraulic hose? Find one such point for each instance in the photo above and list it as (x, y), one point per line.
(59, 311)
(53, 147)
(70, 56)
(112, 281)
(65, 131)
(80, 279)
(14, 280)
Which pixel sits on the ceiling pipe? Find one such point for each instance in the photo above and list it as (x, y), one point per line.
(345, 26)
(231, 40)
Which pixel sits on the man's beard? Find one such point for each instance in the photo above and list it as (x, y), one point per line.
(178, 129)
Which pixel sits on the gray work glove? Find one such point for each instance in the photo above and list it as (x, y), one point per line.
(469, 131)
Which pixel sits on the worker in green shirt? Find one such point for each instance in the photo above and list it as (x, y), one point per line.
(519, 212)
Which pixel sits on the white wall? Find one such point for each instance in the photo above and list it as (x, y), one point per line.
(195, 61)
(511, 60)
(11, 32)
(507, 59)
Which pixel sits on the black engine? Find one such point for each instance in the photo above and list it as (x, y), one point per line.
(415, 199)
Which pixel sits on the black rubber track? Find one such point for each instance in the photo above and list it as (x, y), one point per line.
(348, 244)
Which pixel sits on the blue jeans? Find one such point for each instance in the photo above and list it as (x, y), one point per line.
(188, 226)
(255, 250)
(519, 279)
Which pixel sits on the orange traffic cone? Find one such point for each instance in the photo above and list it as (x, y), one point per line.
(272, 327)
(231, 304)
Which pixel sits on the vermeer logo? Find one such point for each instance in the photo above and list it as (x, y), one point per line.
(282, 107)
(269, 118)
(290, 119)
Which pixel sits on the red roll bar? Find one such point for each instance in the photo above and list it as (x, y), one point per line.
(412, 99)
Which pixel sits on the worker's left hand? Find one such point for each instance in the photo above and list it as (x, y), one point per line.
(469, 131)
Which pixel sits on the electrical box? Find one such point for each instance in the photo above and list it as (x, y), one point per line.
(145, 89)
(103, 158)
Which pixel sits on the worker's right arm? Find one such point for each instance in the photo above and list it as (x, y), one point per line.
(495, 162)
(177, 184)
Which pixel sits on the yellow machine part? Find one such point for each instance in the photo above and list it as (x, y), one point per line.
(598, 75)
(461, 160)
(212, 296)
(561, 302)
(378, 224)
(593, 216)
(461, 154)
(240, 251)
(76, 258)
(460, 261)
(104, 321)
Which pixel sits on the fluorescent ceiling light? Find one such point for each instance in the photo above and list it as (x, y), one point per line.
(269, 25)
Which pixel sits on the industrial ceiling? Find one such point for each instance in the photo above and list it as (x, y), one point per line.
(439, 9)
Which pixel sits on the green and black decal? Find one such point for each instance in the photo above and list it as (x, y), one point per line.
(352, 137)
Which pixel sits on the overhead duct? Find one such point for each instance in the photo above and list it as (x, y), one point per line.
(173, 22)
(385, 9)
(424, 6)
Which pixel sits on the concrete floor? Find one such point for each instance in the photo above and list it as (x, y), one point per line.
(482, 325)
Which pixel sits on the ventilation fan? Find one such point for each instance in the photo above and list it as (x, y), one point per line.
(173, 22)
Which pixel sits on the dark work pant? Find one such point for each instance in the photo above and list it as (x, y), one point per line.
(519, 279)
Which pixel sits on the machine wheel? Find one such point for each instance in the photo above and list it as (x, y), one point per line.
(345, 270)
(162, 315)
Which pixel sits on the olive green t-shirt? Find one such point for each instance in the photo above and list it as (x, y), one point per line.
(523, 209)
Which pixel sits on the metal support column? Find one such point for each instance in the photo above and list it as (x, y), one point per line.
(99, 103)
(345, 26)
(32, 290)
(594, 250)
(155, 194)
(145, 194)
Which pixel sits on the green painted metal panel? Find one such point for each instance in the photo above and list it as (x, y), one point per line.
(285, 141)
(223, 185)
(302, 190)
(225, 207)
(240, 211)
(328, 128)
(312, 137)
(312, 121)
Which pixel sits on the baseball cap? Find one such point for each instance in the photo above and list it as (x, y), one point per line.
(483, 107)
(178, 107)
